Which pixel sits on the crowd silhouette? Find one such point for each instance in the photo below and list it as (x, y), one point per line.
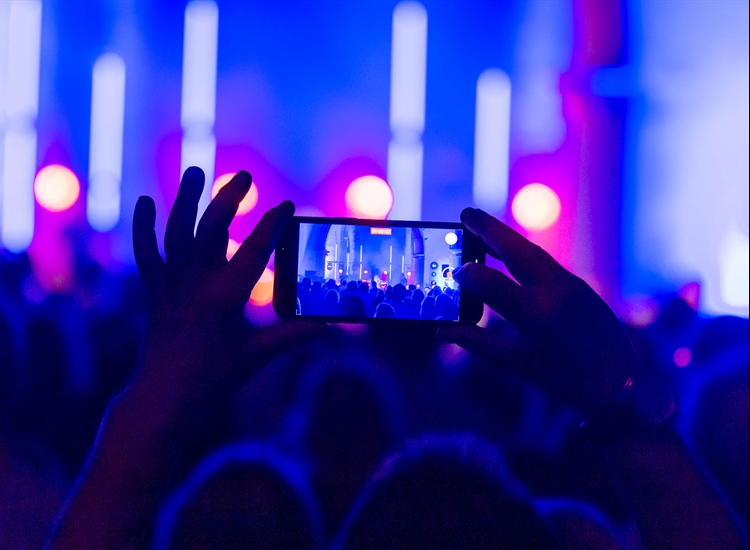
(151, 413)
(357, 300)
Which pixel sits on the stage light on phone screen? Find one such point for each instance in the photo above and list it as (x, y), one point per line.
(536, 207)
(263, 292)
(56, 188)
(369, 197)
(250, 200)
(451, 238)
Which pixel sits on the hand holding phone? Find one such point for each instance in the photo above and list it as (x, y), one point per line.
(375, 271)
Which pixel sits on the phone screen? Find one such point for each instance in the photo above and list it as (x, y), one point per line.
(381, 272)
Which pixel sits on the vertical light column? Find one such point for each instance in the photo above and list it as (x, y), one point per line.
(408, 84)
(390, 264)
(199, 91)
(20, 44)
(105, 148)
(491, 141)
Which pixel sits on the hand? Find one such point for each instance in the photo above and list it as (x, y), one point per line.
(197, 343)
(568, 340)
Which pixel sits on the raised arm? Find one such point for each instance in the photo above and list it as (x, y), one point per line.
(570, 344)
(198, 349)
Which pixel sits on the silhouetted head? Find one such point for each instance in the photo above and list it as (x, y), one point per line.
(384, 311)
(351, 286)
(445, 492)
(352, 306)
(243, 496)
(443, 305)
(399, 293)
(348, 418)
(364, 288)
(428, 308)
(418, 296)
(306, 283)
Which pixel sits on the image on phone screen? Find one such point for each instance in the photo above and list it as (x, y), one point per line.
(388, 272)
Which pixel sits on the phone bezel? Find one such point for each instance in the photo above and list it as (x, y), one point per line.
(285, 271)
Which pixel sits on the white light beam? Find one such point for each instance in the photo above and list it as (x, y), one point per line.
(198, 109)
(105, 148)
(407, 115)
(492, 140)
(19, 102)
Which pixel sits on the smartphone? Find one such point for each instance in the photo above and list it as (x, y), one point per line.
(350, 270)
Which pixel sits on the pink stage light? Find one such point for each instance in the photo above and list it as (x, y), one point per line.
(536, 207)
(263, 292)
(369, 197)
(56, 188)
(250, 200)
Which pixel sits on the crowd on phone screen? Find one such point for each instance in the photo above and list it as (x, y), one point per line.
(334, 440)
(362, 299)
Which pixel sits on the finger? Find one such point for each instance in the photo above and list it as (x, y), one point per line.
(495, 289)
(179, 242)
(487, 344)
(527, 262)
(250, 260)
(269, 342)
(212, 235)
(147, 257)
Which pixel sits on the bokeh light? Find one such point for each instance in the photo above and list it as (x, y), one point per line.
(691, 293)
(451, 238)
(56, 188)
(250, 200)
(232, 247)
(640, 311)
(369, 197)
(682, 357)
(536, 207)
(263, 292)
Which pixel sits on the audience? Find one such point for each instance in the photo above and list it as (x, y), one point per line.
(405, 303)
(221, 434)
